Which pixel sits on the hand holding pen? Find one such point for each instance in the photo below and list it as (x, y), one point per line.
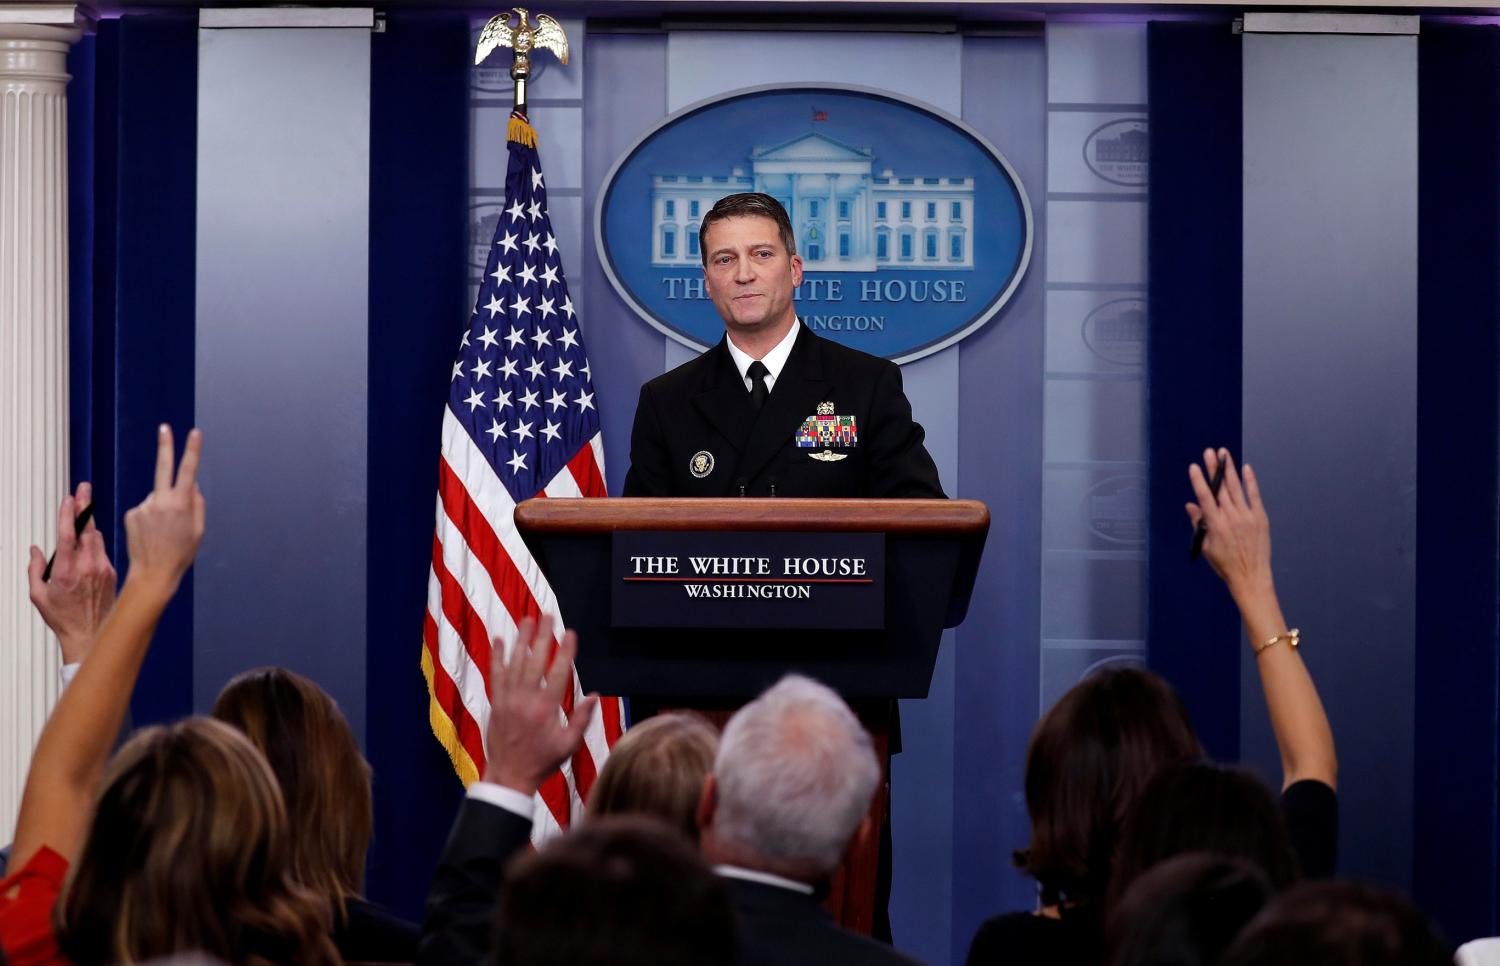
(74, 590)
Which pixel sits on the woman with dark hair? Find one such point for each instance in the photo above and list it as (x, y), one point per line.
(1093, 752)
(1185, 911)
(1204, 807)
(325, 782)
(190, 851)
(1090, 756)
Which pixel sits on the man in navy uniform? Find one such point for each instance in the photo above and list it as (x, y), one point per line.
(772, 409)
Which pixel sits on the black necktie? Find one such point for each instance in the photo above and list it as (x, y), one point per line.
(758, 390)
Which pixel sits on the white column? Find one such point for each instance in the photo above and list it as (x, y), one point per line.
(33, 361)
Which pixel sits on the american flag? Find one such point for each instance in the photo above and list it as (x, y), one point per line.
(521, 422)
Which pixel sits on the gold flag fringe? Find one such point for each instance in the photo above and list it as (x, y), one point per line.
(520, 132)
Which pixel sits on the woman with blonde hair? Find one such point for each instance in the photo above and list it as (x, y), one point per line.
(325, 782)
(658, 768)
(189, 851)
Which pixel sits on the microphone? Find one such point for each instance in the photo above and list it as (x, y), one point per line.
(740, 484)
(772, 482)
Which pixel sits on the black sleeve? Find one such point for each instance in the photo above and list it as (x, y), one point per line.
(985, 946)
(1007, 938)
(1024, 939)
(367, 933)
(900, 465)
(1312, 821)
(460, 911)
(649, 473)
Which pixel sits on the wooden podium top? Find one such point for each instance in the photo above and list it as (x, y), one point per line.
(576, 516)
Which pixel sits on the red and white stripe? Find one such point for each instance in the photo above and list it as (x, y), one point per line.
(483, 582)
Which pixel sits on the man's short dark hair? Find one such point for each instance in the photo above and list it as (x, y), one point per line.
(1185, 911)
(621, 890)
(1331, 923)
(743, 205)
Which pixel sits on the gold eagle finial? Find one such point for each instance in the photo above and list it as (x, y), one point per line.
(523, 38)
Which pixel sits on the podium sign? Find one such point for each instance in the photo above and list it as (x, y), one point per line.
(927, 553)
(778, 580)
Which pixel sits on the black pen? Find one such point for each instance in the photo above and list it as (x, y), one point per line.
(1201, 530)
(79, 522)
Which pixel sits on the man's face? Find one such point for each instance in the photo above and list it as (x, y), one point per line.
(750, 275)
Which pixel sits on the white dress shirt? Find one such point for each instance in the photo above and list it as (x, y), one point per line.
(518, 803)
(764, 878)
(775, 360)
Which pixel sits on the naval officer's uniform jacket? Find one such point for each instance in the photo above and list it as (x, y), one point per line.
(836, 424)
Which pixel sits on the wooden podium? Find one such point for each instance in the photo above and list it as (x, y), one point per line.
(928, 553)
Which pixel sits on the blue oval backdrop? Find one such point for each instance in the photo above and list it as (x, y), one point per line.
(914, 231)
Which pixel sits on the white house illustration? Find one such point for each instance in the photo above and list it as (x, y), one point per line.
(846, 218)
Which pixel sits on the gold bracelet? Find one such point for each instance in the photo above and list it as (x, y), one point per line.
(1292, 637)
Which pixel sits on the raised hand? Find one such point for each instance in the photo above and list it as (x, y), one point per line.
(163, 535)
(81, 591)
(1238, 543)
(164, 531)
(526, 737)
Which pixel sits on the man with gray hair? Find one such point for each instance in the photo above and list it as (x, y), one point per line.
(790, 791)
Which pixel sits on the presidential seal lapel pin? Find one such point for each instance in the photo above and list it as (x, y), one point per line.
(701, 464)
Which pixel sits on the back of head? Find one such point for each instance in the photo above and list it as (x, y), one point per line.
(794, 777)
(624, 890)
(1090, 756)
(1204, 807)
(1185, 911)
(658, 769)
(324, 779)
(1332, 923)
(188, 851)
